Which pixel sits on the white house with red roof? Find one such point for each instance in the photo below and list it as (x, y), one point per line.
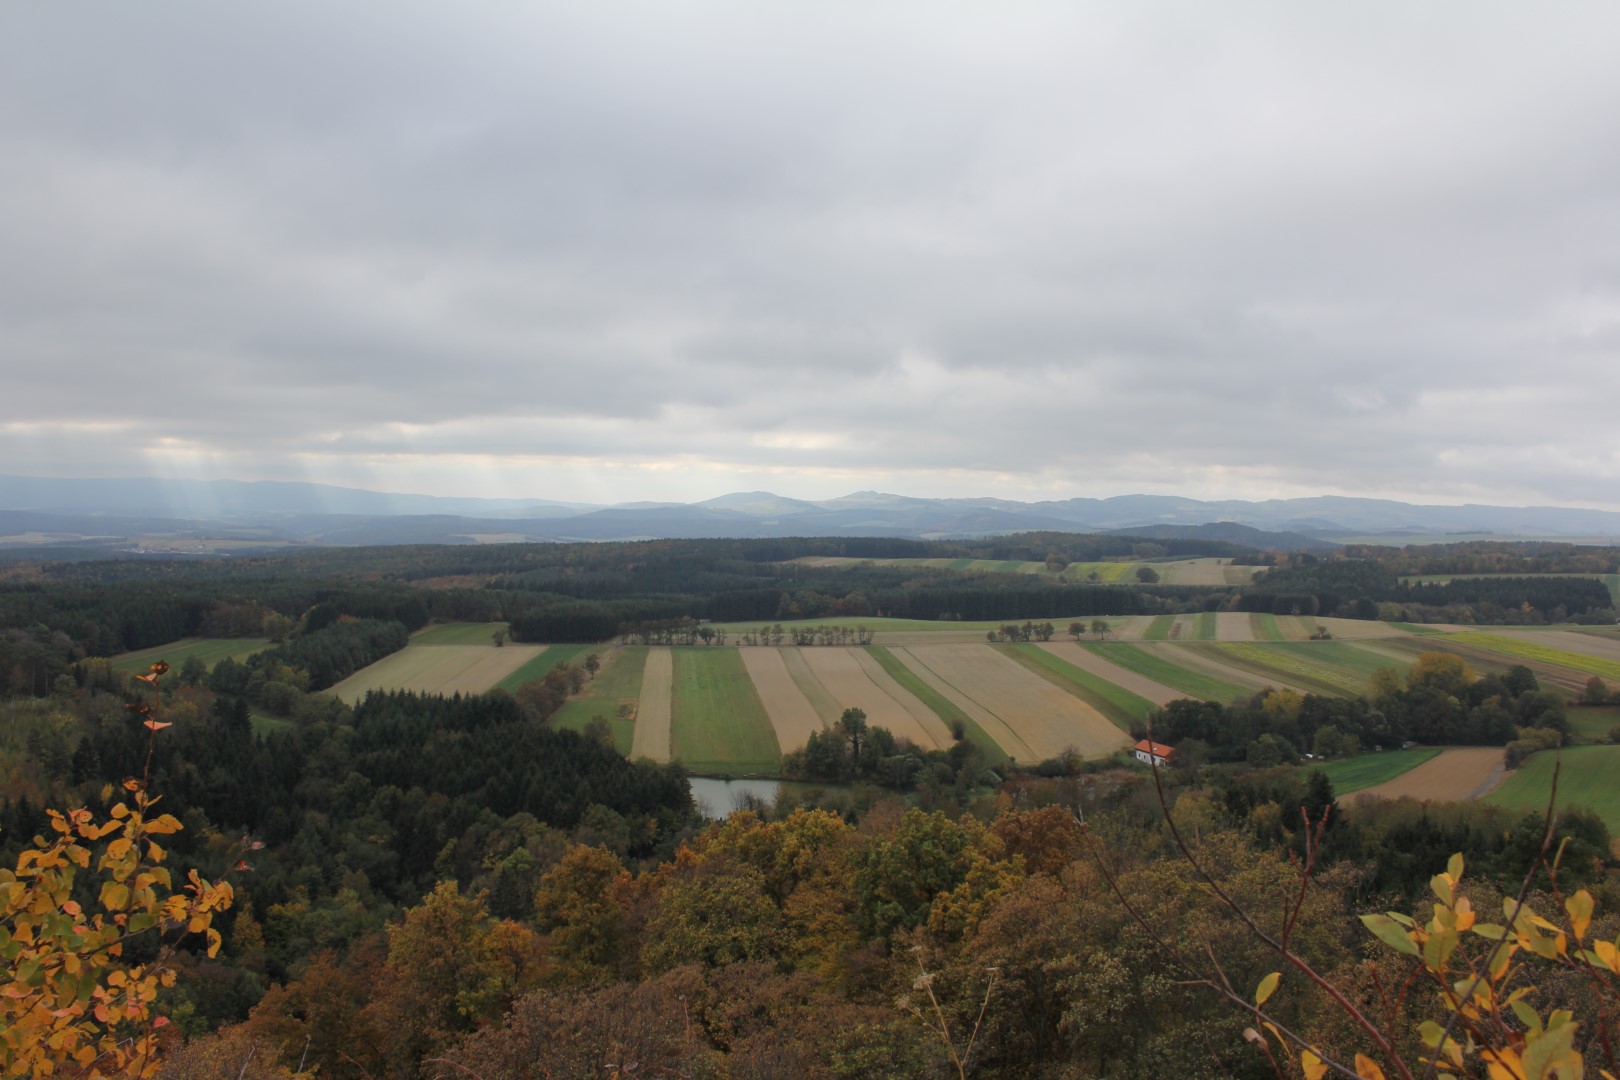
(1154, 753)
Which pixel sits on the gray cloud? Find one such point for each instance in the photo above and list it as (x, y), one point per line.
(1064, 250)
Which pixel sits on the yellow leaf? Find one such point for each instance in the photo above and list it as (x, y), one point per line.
(1367, 1068)
(1579, 907)
(1267, 987)
(1312, 1065)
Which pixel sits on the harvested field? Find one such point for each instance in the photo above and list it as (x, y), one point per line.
(1369, 770)
(791, 714)
(1357, 629)
(1194, 571)
(653, 708)
(1045, 718)
(1131, 627)
(717, 723)
(857, 681)
(1460, 773)
(932, 693)
(1094, 662)
(825, 705)
(437, 669)
(1118, 704)
(1233, 626)
(1265, 628)
(1322, 667)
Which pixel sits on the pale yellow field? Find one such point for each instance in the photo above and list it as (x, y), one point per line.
(792, 715)
(1131, 628)
(1462, 773)
(437, 669)
(856, 681)
(651, 738)
(1005, 737)
(1195, 571)
(1048, 720)
(1086, 660)
(1233, 626)
(1358, 629)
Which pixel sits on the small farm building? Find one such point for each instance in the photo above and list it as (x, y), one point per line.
(1154, 753)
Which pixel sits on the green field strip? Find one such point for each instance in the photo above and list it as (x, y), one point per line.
(825, 705)
(1119, 705)
(1330, 668)
(1159, 628)
(209, 650)
(718, 724)
(1370, 770)
(1612, 582)
(1204, 626)
(458, 634)
(1593, 723)
(575, 715)
(1544, 654)
(1417, 628)
(1265, 628)
(941, 706)
(1153, 663)
(959, 564)
(536, 667)
(1586, 779)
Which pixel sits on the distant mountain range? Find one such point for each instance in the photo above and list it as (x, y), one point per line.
(222, 515)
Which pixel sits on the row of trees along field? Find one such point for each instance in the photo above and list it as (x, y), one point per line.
(447, 888)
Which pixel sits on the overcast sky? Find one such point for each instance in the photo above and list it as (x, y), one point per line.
(618, 251)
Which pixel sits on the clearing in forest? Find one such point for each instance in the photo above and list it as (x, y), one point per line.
(791, 713)
(437, 669)
(651, 737)
(718, 724)
(209, 650)
(1048, 720)
(1465, 772)
(614, 695)
(857, 681)
(1094, 662)
(1585, 778)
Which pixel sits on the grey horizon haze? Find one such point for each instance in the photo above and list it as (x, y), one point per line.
(603, 253)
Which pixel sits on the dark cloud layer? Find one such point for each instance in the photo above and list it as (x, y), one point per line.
(663, 251)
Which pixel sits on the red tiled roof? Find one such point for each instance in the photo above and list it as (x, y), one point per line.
(1158, 749)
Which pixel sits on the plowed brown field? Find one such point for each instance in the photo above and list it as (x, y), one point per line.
(1462, 773)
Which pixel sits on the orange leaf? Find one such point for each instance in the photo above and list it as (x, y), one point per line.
(156, 725)
(160, 668)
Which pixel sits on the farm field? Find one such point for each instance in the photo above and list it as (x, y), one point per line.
(1045, 718)
(651, 738)
(1604, 648)
(1324, 667)
(479, 633)
(1369, 770)
(1586, 779)
(1451, 776)
(949, 707)
(209, 650)
(1107, 572)
(1162, 664)
(855, 680)
(717, 722)
(1209, 571)
(1095, 663)
(617, 684)
(1119, 704)
(1541, 652)
(537, 666)
(1593, 723)
(438, 669)
(790, 711)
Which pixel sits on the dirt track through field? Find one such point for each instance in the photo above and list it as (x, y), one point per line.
(1463, 773)
(1005, 737)
(438, 669)
(790, 712)
(1047, 719)
(651, 739)
(1140, 685)
(856, 681)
